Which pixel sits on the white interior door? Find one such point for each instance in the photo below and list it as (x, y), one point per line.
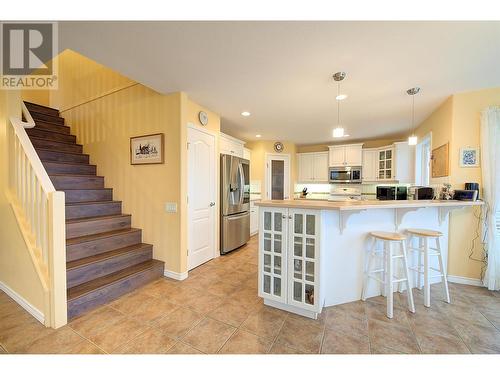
(201, 197)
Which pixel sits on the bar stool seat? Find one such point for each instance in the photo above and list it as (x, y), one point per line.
(425, 232)
(386, 267)
(388, 236)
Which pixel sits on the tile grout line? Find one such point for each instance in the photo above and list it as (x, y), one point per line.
(277, 335)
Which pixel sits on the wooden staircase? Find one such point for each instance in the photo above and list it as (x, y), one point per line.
(105, 255)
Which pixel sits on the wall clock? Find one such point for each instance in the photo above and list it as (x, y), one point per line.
(278, 147)
(203, 117)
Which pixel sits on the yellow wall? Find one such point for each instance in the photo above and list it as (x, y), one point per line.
(36, 96)
(457, 121)
(17, 271)
(258, 162)
(105, 109)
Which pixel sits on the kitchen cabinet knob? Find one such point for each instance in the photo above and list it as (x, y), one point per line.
(283, 216)
(290, 217)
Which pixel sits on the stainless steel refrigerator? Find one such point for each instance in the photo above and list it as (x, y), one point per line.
(235, 202)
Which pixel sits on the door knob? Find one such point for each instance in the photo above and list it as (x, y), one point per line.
(212, 204)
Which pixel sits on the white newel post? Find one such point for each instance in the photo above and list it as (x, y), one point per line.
(57, 259)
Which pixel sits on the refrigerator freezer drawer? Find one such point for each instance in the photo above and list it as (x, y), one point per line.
(235, 231)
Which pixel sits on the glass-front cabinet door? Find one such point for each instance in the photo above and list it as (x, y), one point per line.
(303, 258)
(272, 257)
(385, 164)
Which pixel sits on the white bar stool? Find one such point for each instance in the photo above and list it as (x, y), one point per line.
(388, 239)
(423, 249)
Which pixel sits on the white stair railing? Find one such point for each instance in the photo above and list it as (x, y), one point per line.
(40, 212)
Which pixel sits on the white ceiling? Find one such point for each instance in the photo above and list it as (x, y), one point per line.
(281, 71)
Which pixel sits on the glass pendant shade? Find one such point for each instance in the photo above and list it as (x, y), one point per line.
(338, 132)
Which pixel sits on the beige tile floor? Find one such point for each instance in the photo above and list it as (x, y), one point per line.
(216, 310)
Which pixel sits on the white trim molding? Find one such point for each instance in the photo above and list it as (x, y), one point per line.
(464, 280)
(175, 275)
(32, 310)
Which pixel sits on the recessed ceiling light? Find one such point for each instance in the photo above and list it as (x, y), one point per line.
(347, 135)
(258, 136)
(341, 97)
(245, 113)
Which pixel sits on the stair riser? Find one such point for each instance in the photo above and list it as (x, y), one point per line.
(47, 155)
(86, 228)
(92, 271)
(86, 302)
(43, 125)
(88, 195)
(56, 146)
(47, 118)
(77, 182)
(49, 135)
(42, 109)
(93, 210)
(57, 168)
(99, 246)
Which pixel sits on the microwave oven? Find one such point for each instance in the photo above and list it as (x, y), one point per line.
(344, 175)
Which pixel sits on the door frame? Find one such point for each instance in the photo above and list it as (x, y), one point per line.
(287, 179)
(216, 192)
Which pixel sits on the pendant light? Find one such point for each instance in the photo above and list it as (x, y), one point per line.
(412, 139)
(338, 132)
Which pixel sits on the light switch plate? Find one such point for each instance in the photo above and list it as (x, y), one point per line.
(171, 207)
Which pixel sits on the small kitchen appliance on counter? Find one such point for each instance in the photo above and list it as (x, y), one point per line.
(472, 186)
(391, 193)
(465, 195)
(421, 193)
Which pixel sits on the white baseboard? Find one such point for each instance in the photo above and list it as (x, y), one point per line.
(37, 314)
(175, 275)
(464, 280)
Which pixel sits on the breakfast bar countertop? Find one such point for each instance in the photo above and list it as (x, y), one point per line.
(362, 204)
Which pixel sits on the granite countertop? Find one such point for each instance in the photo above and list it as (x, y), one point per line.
(362, 204)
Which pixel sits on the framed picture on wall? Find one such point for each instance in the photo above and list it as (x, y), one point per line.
(147, 149)
(469, 157)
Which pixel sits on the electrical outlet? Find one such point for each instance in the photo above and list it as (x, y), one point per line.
(171, 207)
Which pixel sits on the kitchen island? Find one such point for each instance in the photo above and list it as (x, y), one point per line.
(312, 253)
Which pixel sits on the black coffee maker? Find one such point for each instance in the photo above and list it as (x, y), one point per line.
(472, 186)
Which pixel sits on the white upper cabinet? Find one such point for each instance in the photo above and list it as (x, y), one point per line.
(394, 163)
(230, 145)
(386, 163)
(370, 160)
(246, 153)
(320, 166)
(313, 166)
(404, 163)
(346, 155)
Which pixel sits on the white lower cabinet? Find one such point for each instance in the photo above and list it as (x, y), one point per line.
(289, 255)
(254, 218)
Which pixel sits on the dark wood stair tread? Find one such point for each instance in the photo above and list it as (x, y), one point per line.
(55, 141)
(98, 236)
(107, 255)
(35, 113)
(68, 163)
(61, 152)
(38, 105)
(95, 218)
(91, 202)
(107, 280)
